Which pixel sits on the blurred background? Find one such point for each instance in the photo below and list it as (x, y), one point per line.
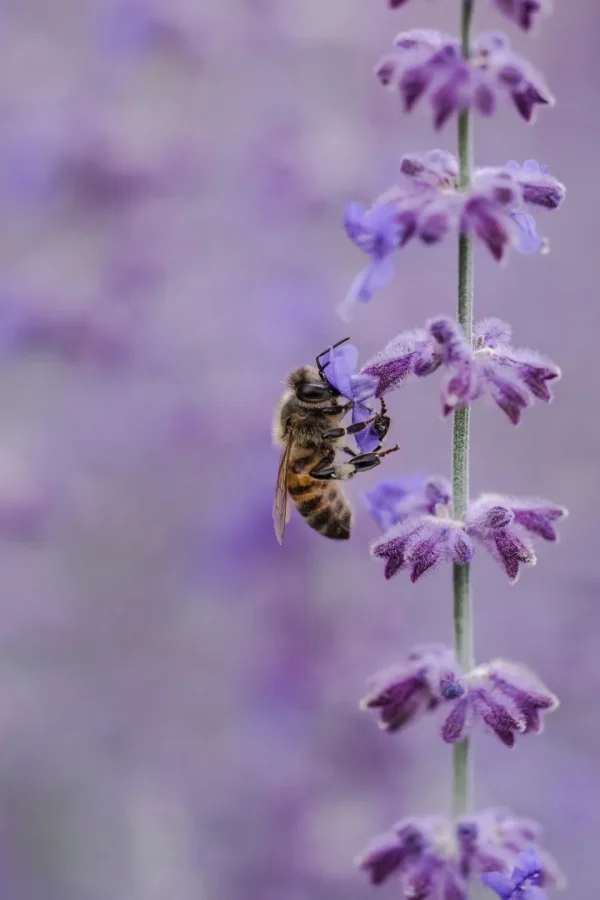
(179, 695)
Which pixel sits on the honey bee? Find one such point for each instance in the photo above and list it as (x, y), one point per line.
(307, 425)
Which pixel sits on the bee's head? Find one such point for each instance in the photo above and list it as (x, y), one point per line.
(311, 388)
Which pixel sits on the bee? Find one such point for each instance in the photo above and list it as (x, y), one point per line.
(307, 425)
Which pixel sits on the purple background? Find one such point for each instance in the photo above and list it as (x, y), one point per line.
(178, 712)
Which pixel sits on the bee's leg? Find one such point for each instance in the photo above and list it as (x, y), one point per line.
(366, 461)
(332, 410)
(324, 465)
(351, 429)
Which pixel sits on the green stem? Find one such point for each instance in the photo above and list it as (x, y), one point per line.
(463, 624)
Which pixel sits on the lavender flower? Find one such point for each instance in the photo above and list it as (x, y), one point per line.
(428, 65)
(340, 371)
(421, 533)
(405, 692)
(504, 696)
(502, 525)
(394, 501)
(411, 352)
(513, 378)
(524, 883)
(522, 12)
(436, 857)
(419, 540)
(394, 851)
(427, 203)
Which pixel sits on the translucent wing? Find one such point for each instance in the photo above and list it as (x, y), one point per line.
(280, 517)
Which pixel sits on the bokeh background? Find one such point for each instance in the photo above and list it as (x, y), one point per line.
(178, 694)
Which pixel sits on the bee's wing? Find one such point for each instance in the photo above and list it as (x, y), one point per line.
(280, 516)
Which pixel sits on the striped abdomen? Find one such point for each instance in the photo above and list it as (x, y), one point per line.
(321, 503)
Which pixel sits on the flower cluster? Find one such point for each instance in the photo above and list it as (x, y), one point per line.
(428, 65)
(512, 377)
(421, 533)
(427, 203)
(436, 857)
(523, 13)
(422, 526)
(502, 695)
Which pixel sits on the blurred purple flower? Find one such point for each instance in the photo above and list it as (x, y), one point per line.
(378, 232)
(427, 203)
(420, 532)
(394, 851)
(539, 189)
(522, 12)
(340, 371)
(428, 64)
(404, 692)
(435, 856)
(523, 884)
(501, 525)
(512, 377)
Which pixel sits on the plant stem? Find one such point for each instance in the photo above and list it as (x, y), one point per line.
(463, 624)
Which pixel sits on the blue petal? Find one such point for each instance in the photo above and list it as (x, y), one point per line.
(527, 240)
(364, 387)
(341, 364)
(378, 274)
(383, 501)
(368, 440)
(498, 883)
(356, 226)
(529, 862)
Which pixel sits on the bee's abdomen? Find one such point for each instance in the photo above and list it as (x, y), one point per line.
(322, 504)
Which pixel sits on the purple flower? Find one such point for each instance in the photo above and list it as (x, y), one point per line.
(524, 883)
(490, 841)
(420, 544)
(379, 232)
(538, 188)
(505, 696)
(404, 692)
(427, 204)
(340, 371)
(436, 857)
(503, 525)
(422, 534)
(522, 12)
(394, 501)
(427, 64)
(512, 377)
(409, 851)
(411, 352)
